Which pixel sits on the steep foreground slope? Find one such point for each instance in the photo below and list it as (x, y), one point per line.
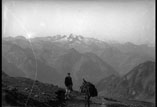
(138, 84)
(18, 91)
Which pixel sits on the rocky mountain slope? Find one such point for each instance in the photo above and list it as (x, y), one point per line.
(138, 84)
(18, 91)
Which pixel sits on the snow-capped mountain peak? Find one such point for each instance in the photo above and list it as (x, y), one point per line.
(73, 37)
(70, 38)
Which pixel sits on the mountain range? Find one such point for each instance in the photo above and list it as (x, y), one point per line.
(50, 58)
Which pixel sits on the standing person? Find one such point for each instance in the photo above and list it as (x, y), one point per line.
(68, 84)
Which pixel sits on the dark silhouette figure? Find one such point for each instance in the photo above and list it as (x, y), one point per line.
(68, 84)
(89, 90)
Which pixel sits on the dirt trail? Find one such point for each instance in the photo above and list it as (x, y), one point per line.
(77, 100)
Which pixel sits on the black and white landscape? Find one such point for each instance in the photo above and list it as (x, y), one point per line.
(120, 65)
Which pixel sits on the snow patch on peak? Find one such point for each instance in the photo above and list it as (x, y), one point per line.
(75, 38)
(70, 38)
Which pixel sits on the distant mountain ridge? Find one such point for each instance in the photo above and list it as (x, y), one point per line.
(122, 57)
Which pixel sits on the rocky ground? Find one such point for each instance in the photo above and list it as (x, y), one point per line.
(19, 92)
(23, 92)
(78, 101)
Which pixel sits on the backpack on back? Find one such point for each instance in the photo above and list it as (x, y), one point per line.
(93, 91)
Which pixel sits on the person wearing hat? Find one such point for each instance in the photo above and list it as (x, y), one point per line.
(68, 84)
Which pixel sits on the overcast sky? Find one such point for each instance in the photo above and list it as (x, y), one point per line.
(118, 20)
